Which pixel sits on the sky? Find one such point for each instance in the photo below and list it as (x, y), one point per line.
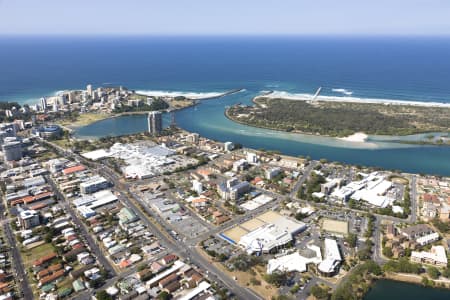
(225, 17)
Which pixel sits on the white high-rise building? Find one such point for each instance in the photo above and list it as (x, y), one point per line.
(252, 158)
(43, 103)
(89, 89)
(228, 146)
(197, 186)
(154, 121)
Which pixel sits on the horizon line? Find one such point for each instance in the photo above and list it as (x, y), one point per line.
(221, 35)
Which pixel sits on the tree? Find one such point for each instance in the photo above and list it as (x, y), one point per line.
(446, 273)
(164, 296)
(433, 272)
(103, 295)
(255, 281)
(387, 251)
(352, 203)
(276, 278)
(319, 292)
(351, 239)
(300, 216)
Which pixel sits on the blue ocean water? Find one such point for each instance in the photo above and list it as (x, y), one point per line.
(387, 68)
(384, 67)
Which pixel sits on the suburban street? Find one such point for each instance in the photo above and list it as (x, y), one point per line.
(20, 273)
(413, 199)
(84, 233)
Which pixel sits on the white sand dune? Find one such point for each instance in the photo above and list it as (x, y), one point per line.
(358, 137)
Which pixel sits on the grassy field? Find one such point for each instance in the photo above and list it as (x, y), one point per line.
(399, 180)
(177, 104)
(62, 143)
(341, 118)
(29, 256)
(84, 119)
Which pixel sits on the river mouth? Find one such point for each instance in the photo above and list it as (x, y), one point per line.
(208, 119)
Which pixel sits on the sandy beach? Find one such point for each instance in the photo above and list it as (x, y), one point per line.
(309, 97)
(357, 137)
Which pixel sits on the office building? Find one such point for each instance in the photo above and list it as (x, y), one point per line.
(154, 122)
(331, 260)
(94, 184)
(12, 149)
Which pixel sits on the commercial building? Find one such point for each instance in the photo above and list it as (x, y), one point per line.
(436, 256)
(332, 258)
(86, 212)
(372, 189)
(12, 150)
(265, 233)
(94, 184)
(48, 131)
(295, 261)
(126, 216)
(154, 121)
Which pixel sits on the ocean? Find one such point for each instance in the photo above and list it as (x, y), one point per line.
(397, 68)
(383, 67)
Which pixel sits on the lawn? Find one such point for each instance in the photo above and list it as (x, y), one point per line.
(29, 256)
(84, 119)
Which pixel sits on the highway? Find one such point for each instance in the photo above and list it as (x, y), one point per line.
(21, 277)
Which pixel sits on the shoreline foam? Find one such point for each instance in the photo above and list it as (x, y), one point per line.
(190, 95)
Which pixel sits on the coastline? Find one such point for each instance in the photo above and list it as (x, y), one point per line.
(357, 137)
(170, 109)
(348, 99)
